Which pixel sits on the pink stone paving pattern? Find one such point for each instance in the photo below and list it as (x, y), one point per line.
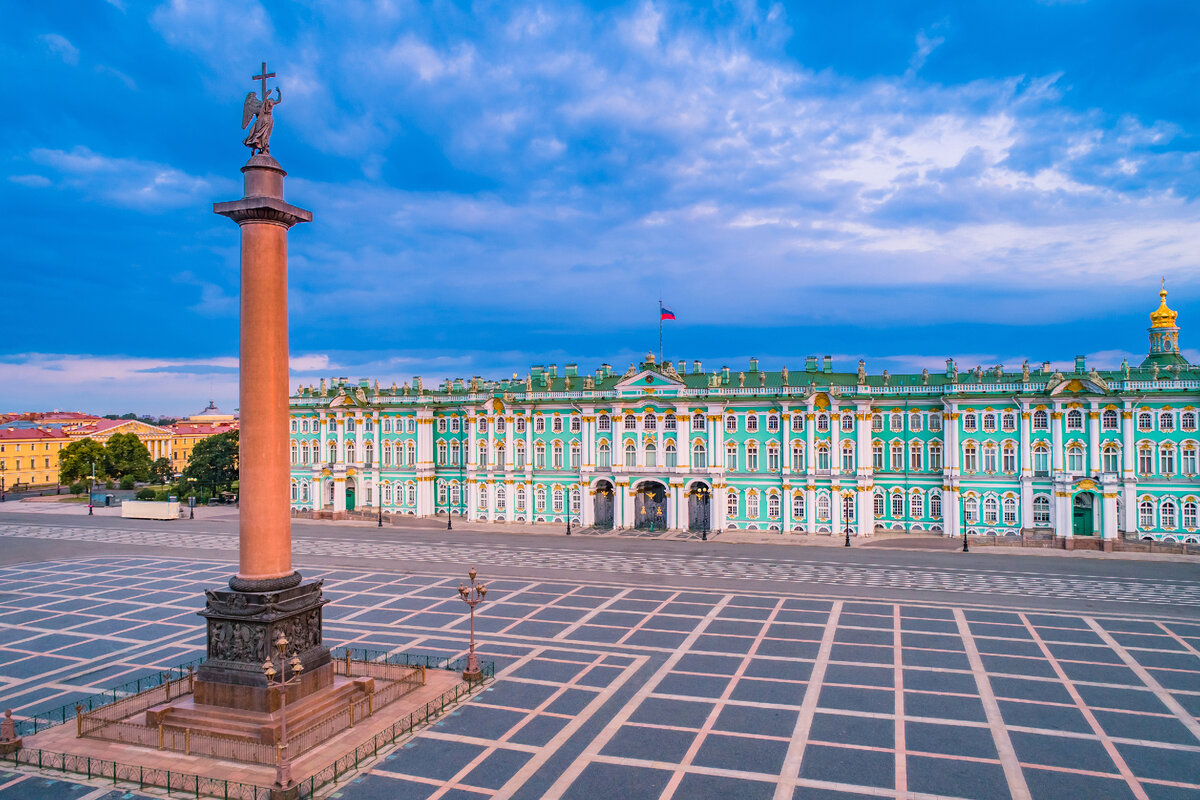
(611, 690)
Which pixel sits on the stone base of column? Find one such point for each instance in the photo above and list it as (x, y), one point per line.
(243, 627)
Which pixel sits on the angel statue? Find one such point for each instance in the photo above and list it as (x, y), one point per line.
(259, 138)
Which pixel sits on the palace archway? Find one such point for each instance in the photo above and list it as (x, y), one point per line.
(602, 504)
(650, 506)
(699, 498)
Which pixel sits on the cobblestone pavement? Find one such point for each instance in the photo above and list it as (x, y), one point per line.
(1177, 593)
(611, 690)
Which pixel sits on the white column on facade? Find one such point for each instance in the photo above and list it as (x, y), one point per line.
(472, 490)
(1108, 510)
(1062, 508)
(1093, 446)
(425, 463)
(529, 455)
(866, 511)
(1056, 431)
(835, 509)
(358, 439)
(341, 439)
(491, 444)
(835, 441)
(469, 428)
(510, 497)
(510, 444)
(627, 515)
(676, 520)
(952, 511)
(810, 508)
(639, 432)
(1025, 454)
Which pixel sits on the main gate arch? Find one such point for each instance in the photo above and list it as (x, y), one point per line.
(650, 506)
(602, 504)
(699, 498)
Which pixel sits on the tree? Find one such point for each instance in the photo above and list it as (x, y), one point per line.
(214, 461)
(128, 456)
(161, 471)
(76, 459)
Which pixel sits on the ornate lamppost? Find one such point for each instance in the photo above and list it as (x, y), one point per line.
(847, 533)
(283, 759)
(472, 596)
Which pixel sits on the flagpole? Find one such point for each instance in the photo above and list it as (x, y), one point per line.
(660, 349)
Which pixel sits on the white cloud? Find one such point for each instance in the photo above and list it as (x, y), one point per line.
(36, 181)
(129, 182)
(61, 46)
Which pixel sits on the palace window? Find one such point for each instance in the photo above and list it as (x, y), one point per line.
(897, 462)
(798, 506)
(1187, 420)
(970, 457)
(454, 454)
(1111, 458)
(1109, 420)
(897, 422)
(649, 422)
(520, 499)
(306, 453)
(1166, 460)
(1041, 511)
(730, 423)
(411, 493)
(1074, 420)
(442, 453)
(350, 454)
(773, 506)
(991, 511)
(558, 501)
(604, 423)
(798, 422)
(539, 456)
(669, 422)
(914, 456)
(752, 423)
(797, 457)
(877, 505)
(369, 452)
(916, 505)
(575, 500)
(501, 498)
(539, 424)
(989, 422)
(970, 421)
(293, 429)
(914, 422)
(630, 422)
(935, 421)
(350, 424)
(1075, 459)
(332, 452)
(731, 457)
(822, 422)
(752, 457)
(1167, 514)
(822, 458)
(1189, 460)
(1041, 460)
(752, 504)
(935, 505)
(519, 455)
(1008, 421)
(556, 453)
(630, 455)
(823, 510)
(441, 425)
(1145, 421)
(848, 457)
(935, 456)
(576, 453)
(731, 503)
(387, 425)
(847, 508)
(295, 455)
(877, 455)
(1010, 511)
(295, 492)
(604, 456)
(671, 456)
(651, 455)
(773, 457)
(499, 424)
(1008, 457)
(847, 422)
(454, 426)
(1166, 422)
(483, 455)
(1041, 420)
(576, 425)
(772, 423)
(1189, 514)
(539, 498)
(1145, 515)
(877, 422)
(481, 424)
(897, 505)
(1145, 460)
(698, 422)
(699, 456)
(483, 497)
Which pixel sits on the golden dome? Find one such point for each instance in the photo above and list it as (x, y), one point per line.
(1162, 317)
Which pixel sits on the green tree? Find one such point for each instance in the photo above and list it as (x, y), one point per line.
(214, 461)
(128, 456)
(160, 470)
(76, 459)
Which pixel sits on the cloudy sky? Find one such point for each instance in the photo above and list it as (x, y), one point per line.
(502, 184)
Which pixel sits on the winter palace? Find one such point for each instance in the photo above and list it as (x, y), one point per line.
(669, 445)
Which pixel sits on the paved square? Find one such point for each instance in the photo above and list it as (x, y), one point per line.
(628, 691)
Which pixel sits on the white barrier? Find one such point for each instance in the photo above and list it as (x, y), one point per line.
(149, 509)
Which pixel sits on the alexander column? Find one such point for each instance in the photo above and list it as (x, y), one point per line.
(266, 598)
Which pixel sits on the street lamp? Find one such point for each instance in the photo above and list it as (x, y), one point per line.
(92, 491)
(847, 533)
(2, 469)
(472, 596)
(192, 499)
(283, 759)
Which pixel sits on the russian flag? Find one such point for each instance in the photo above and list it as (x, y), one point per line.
(665, 313)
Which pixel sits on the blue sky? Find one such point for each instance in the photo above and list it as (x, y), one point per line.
(500, 184)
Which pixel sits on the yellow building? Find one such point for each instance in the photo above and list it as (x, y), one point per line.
(187, 433)
(156, 438)
(29, 456)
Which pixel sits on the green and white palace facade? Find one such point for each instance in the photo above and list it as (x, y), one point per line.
(1079, 452)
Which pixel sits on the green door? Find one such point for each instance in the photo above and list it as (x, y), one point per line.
(1082, 522)
(349, 499)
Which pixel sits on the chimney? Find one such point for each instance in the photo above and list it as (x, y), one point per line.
(724, 374)
(810, 364)
(696, 367)
(1080, 364)
(571, 370)
(828, 364)
(754, 365)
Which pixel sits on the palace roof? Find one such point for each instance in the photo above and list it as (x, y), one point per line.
(10, 433)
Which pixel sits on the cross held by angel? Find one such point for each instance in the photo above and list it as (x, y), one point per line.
(259, 137)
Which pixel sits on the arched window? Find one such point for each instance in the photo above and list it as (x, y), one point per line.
(848, 457)
(350, 459)
(1008, 457)
(519, 454)
(575, 500)
(1111, 457)
(649, 421)
(305, 453)
(877, 422)
(1008, 421)
(1074, 458)
(455, 495)
(1145, 459)
(369, 452)
(410, 491)
(989, 422)
(823, 457)
(1166, 460)
(500, 424)
(630, 422)
(1166, 422)
(822, 422)
(896, 421)
(914, 422)
(630, 455)
(847, 508)
(1041, 460)
(304, 492)
(483, 498)
(481, 424)
(751, 422)
(752, 504)
(387, 454)
(698, 422)
(575, 428)
(991, 511)
(914, 456)
(797, 457)
(604, 423)
(773, 457)
(772, 423)
(935, 505)
(752, 457)
(916, 505)
(539, 455)
(897, 452)
(798, 506)
(672, 457)
(1108, 420)
(797, 422)
(935, 421)
(1075, 420)
(454, 453)
(556, 454)
(847, 422)
(970, 421)
(730, 423)
(520, 499)
(350, 425)
(878, 506)
(1041, 420)
(1010, 511)
(441, 493)
(1189, 514)
(971, 510)
(332, 452)
(411, 451)
(1145, 421)
(935, 455)
(1187, 420)
(295, 456)
(483, 455)
(731, 454)
(387, 493)
(897, 505)
(731, 503)
(539, 424)
(1041, 511)
(295, 492)
(576, 452)
(970, 457)
(539, 498)
(699, 456)
(604, 456)
(501, 497)
(989, 457)
(1189, 459)
(1167, 514)
(651, 455)
(824, 512)
(1146, 514)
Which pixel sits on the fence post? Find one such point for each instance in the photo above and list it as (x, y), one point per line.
(78, 720)
(191, 679)
(347, 662)
(351, 713)
(160, 736)
(167, 683)
(187, 741)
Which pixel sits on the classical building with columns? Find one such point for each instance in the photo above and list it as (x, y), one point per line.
(1080, 452)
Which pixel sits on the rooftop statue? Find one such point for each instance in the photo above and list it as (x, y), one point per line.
(259, 137)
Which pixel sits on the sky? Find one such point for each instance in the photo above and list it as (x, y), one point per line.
(500, 184)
